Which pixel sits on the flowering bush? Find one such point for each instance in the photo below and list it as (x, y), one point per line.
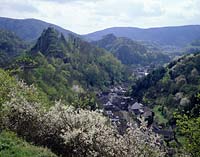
(75, 132)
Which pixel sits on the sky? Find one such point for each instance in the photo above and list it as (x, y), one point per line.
(85, 16)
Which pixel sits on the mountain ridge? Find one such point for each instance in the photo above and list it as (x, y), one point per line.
(29, 29)
(162, 35)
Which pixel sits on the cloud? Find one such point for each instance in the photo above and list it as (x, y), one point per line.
(68, 1)
(83, 16)
(17, 6)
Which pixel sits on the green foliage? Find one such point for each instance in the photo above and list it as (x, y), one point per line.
(174, 89)
(189, 129)
(50, 43)
(160, 114)
(10, 47)
(112, 66)
(172, 86)
(12, 146)
(6, 85)
(55, 63)
(139, 88)
(84, 101)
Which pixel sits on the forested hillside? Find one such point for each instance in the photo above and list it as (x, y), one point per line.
(62, 128)
(11, 46)
(59, 66)
(171, 87)
(130, 52)
(180, 77)
(173, 94)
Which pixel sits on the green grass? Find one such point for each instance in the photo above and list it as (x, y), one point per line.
(158, 115)
(12, 146)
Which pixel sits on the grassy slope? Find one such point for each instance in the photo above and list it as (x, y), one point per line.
(12, 146)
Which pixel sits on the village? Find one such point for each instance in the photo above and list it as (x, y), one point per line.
(141, 71)
(122, 110)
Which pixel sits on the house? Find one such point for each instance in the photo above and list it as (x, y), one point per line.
(147, 112)
(168, 135)
(148, 115)
(109, 113)
(118, 90)
(120, 103)
(108, 104)
(136, 108)
(123, 103)
(104, 99)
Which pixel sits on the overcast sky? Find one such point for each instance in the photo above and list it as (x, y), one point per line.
(84, 16)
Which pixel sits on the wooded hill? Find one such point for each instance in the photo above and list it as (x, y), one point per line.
(130, 52)
(171, 88)
(56, 65)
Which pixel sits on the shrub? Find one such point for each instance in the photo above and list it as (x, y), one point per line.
(75, 132)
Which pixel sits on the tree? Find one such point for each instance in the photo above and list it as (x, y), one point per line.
(189, 128)
(7, 83)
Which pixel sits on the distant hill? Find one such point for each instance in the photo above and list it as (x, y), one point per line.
(193, 47)
(175, 36)
(28, 29)
(129, 51)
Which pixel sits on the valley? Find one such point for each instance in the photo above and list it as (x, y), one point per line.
(121, 91)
